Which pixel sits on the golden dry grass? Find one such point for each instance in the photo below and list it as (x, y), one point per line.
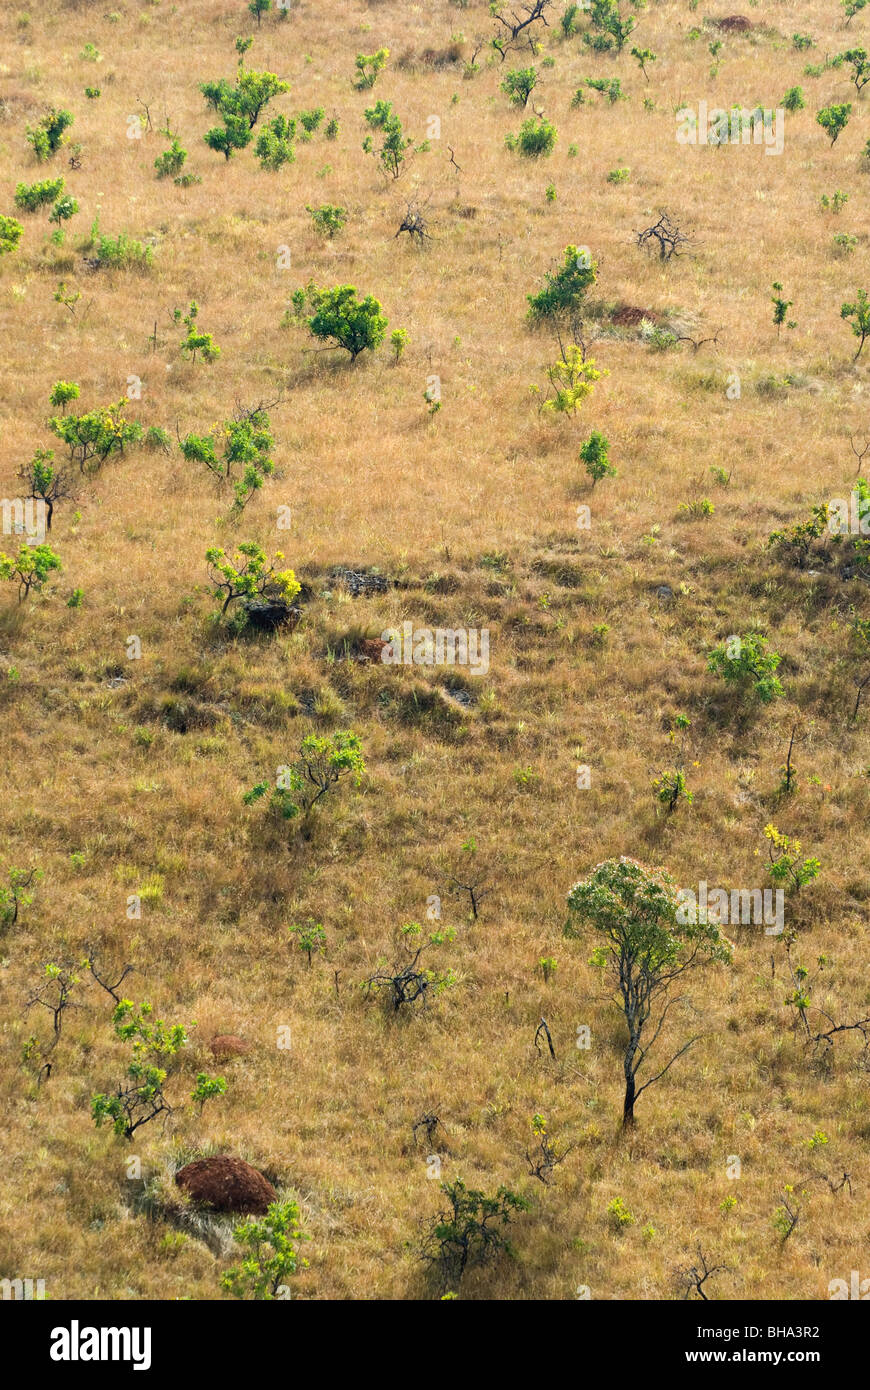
(372, 480)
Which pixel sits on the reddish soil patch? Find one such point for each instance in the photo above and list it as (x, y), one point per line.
(370, 649)
(228, 1045)
(226, 1184)
(734, 24)
(629, 316)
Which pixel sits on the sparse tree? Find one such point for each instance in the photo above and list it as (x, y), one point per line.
(635, 914)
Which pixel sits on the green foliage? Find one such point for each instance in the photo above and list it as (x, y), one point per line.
(472, 1229)
(594, 455)
(671, 788)
(609, 87)
(399, 341)
(619, 176)
(745, 661)
(65, 208)
(310, 938)
(244, 441)
(368, 66)
(46, 138)
(247, 98)
(31, 197)
(29, 569)
(859, 312)
(93, 436)
(274, 147)
(321, 764)
(834, 119)
(536, 137)
(802, 42)
(310, 120)
(258, 8)
(62, 392)
(860, 65)
(785, 869)
(273, 1255)
(853, 7)
(157, 438)
(171, 162)
(248, 575)
(568, 21)
(328, 219)
(391, 154)
(341, 318)
(15, 895)
(196, 342)
(644, 942)
(233, 135)
(140, 1098)
(206, 1087)
(571, 381)
(564, 289)
(619, 1214)
(10, 234)
(122, 252)
(45, 481)
(643, 56)
(835, 203)
(794, 99)
(605, 16)
(780, 307)
(519, 84)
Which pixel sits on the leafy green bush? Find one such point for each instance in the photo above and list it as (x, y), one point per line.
(564, 289)
(794, 99)
(31, 197)
(834, 119)
(368, 66)
(321, 764)
(391, 154)
(248, 575)
(16, 896)
(471, 1231)
(328, 219)
(859, 312)
(29, 569)
(536, 137)
(274, 147)
(93, 436)
(10, 234)
(171, 161)
(340, 317)
(272, 1244)
(196, 342)
(245, 440)
(46, 138)
(122, 252)
(746, 662)
(140, 1097)
(519, 84)
(234, 134)
(594, 455)
(310, 120)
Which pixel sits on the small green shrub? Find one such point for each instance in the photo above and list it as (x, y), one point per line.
(31, 197)
(536, 137)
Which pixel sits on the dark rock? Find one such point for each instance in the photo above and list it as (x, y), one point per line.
(271, 613)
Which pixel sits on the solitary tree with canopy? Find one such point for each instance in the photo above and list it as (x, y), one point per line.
(646, 939)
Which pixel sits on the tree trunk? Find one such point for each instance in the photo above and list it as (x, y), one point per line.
(628, 1104)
